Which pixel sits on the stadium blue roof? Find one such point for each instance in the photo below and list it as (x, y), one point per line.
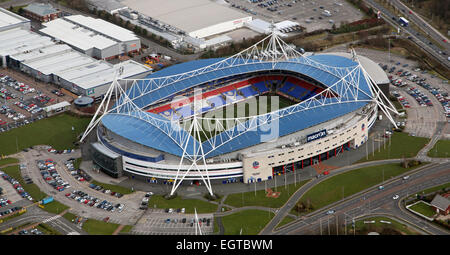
(138, 130)
(143, 95)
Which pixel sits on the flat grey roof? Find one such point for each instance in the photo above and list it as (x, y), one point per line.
(17, 40)
(77, 36)
(108, 5)
(104, 76)
(187, 15)
(8, 18)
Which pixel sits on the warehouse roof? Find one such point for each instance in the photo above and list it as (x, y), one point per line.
(40, 53)
(94, 79)
(75, 35)
(103, 27)
(189, 15)
(18, 40)
(52, 63)
(41, 9)
(107, 5)
(8, 18)
(85, 70)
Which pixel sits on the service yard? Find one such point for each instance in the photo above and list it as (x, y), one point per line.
(310, 14)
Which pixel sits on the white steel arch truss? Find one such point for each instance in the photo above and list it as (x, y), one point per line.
(270, 49)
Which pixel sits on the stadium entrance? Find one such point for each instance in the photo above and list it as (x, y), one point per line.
(292, 167)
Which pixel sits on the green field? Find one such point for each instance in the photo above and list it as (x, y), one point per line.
(8, 161)
(440, 150)
(112, 187)
(423, 209)
(250, 221)
(249, 198)
(402, 145)
(34, 191)
(55, 131)
(349, 183)
(178, 202)
(379, 227)
(97, 227)
(241, 109)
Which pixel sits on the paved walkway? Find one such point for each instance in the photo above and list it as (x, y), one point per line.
(118, 229)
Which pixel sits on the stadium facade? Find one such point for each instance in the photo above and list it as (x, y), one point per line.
(166, 128)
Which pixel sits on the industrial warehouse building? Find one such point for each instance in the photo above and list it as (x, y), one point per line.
(197, 18)
(94, 37)
(50, 62)
(9, 20)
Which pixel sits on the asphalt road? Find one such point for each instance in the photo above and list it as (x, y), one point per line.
(375, 201)
(421, 40)
(36, 215)
(414, 17)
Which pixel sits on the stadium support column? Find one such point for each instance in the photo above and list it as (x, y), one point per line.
(197, 153)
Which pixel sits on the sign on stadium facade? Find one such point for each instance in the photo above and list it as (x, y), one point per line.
(316, 135)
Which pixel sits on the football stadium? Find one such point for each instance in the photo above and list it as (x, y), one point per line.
(265, 111)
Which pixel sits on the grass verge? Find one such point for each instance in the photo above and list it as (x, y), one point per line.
(7, 161)
(437, 188)
(402, 145)
(47, 230)
(97, 227)
(126, 229)
(260, 199)
(285, 221)
(349, 183)
(395, 228)
(177, 202)
(440, 150)
(112, 187)
(250, 221)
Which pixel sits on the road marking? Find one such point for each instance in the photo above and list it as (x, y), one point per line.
(51, 218)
